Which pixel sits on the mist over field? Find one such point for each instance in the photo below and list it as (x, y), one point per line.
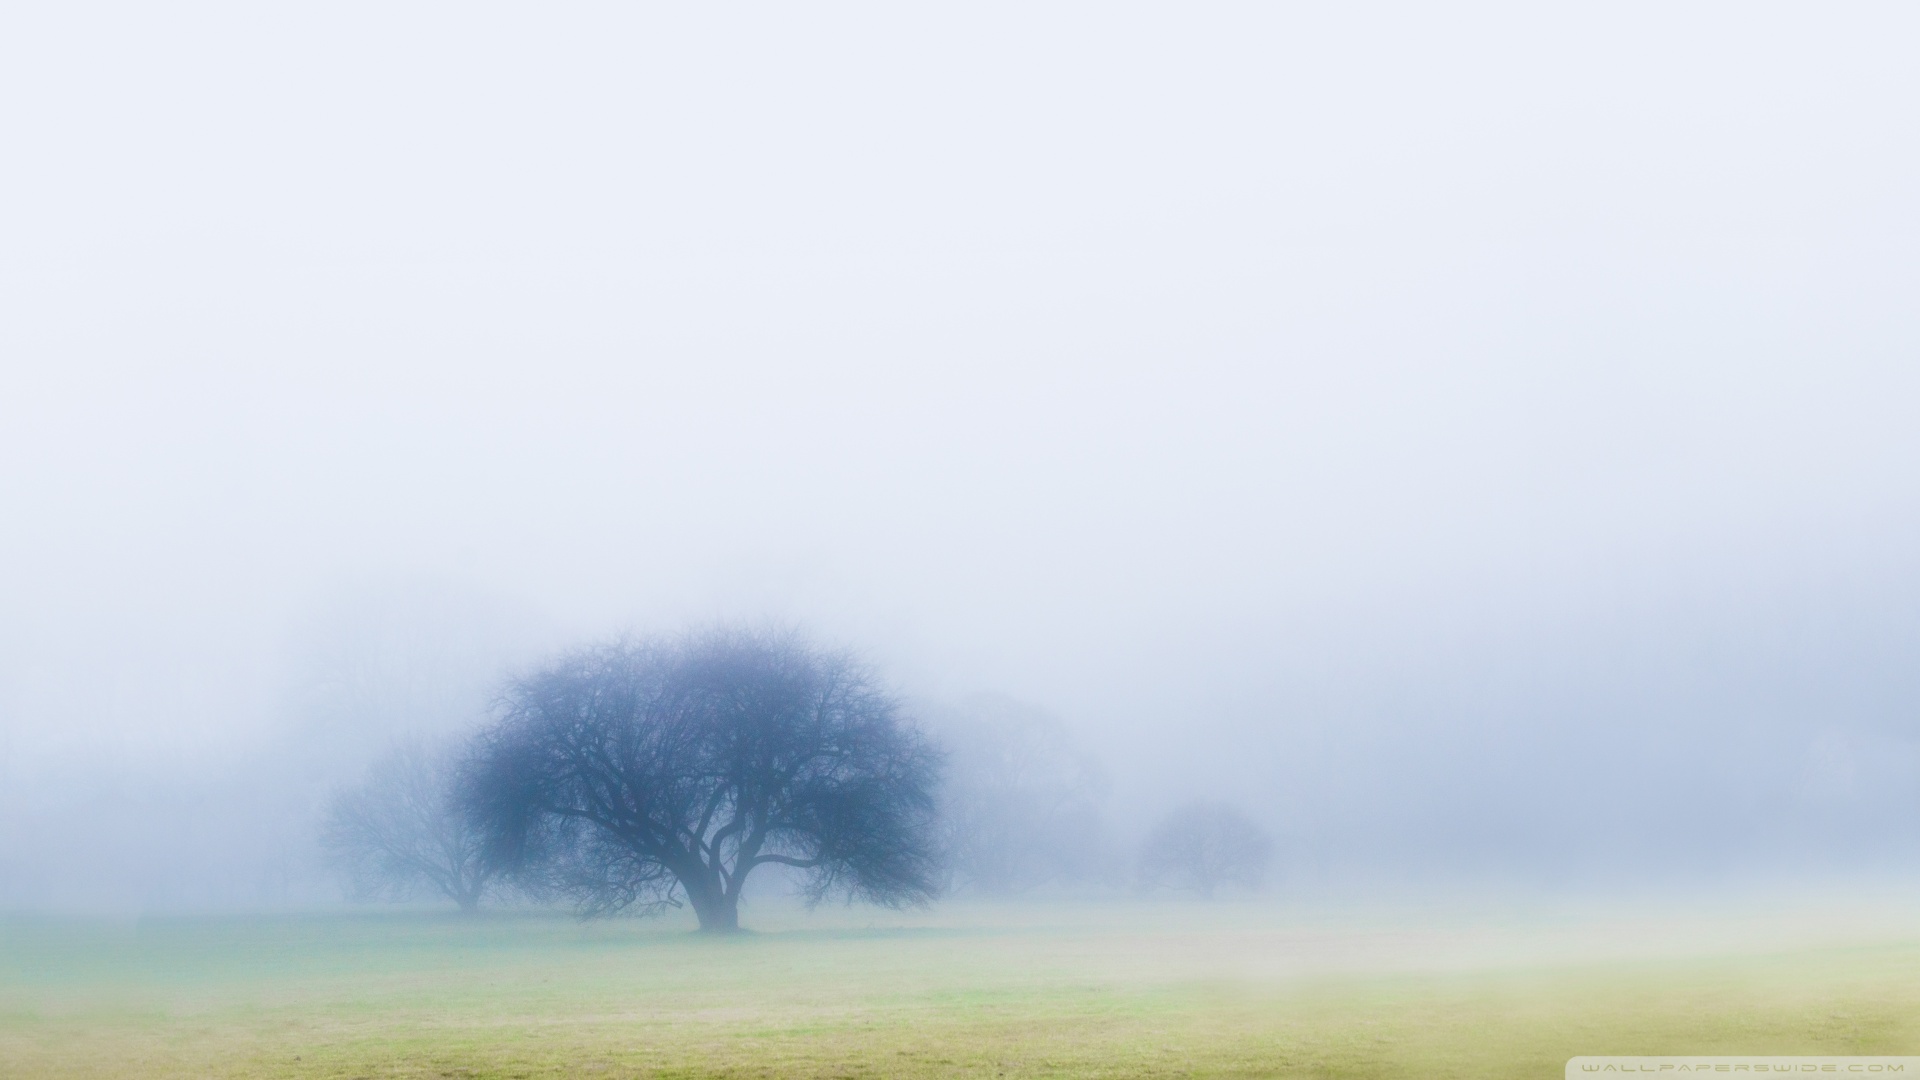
(1480, 444)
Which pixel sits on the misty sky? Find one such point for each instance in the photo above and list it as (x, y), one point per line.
(1375, 414)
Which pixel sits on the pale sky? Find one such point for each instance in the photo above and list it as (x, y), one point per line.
(1316, 392)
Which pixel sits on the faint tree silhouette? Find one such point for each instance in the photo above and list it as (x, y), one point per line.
(1202, 846)
(399, 830)
(1021, 805)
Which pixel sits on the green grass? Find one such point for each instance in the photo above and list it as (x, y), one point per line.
(1039, 990)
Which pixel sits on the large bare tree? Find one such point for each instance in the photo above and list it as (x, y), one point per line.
(641, 774)
(398, 831)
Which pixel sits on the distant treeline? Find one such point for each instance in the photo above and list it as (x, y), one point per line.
(640, 774)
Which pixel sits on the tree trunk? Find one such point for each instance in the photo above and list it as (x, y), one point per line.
(718, 914)
(717, 907)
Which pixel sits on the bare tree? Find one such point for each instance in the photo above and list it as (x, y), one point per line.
(399, 830)
(645, 773)
(1021, 806)
(1202, 846)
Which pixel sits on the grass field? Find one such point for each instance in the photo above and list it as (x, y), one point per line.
(1036, 990)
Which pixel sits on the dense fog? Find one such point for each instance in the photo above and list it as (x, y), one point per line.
(1479, 444)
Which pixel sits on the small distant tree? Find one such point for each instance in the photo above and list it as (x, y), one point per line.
(641, 774)
(1021, 805)
(1203, 846)
(399, 832)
